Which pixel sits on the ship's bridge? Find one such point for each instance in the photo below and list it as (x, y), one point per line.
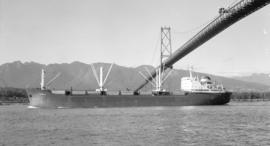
(193, 84)
(190, 83)
(206, 80)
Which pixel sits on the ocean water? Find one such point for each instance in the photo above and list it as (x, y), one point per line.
(239, 123)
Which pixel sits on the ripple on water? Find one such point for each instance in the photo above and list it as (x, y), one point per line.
(32, 107)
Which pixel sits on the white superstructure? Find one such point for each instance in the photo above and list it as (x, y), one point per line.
(194, 84)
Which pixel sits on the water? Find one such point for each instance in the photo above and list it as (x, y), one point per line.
(234, 124)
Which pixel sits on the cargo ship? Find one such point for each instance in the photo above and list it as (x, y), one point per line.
(194, 90)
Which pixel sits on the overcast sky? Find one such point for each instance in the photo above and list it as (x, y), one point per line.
(126, 32)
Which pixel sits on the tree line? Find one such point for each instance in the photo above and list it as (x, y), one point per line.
(10, 94)
(248, 96)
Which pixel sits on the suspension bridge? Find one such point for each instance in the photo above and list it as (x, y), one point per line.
(227, 17)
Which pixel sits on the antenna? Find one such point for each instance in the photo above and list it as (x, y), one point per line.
(190, 71)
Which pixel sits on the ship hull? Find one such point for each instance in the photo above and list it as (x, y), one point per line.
(46, 99)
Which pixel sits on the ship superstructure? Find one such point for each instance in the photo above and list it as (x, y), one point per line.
(203, 84)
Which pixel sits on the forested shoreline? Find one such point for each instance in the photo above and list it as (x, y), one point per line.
(13, 95)
(250, 96)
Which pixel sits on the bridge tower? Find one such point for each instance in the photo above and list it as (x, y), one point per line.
(165, 52)
(166, 45)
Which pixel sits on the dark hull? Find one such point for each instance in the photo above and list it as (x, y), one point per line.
(46, 99)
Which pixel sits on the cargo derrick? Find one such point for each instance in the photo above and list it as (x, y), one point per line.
(226, 18)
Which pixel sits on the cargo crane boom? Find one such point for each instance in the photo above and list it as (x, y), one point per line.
(226, 18)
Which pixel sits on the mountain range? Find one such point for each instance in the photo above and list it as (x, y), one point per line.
(79, 76)
(261, 78)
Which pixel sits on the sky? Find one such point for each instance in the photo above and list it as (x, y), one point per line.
(126, 32)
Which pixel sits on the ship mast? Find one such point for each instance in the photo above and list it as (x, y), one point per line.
(100, 80)
(42, 83)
